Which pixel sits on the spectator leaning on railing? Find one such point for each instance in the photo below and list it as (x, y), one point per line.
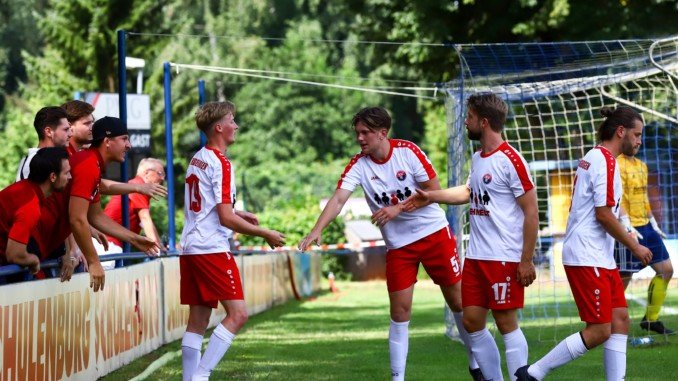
(149, 171)
(20, 205)
(110, 143)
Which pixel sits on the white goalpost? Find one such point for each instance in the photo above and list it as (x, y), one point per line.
(555, 92)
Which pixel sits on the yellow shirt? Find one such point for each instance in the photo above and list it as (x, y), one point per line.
(634, 181)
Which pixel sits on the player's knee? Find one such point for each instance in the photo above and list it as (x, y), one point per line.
(400, 313)
(621, 322)
(198, 324)
(239, 317)
(598, 334)
(471, 324)
(667, 274)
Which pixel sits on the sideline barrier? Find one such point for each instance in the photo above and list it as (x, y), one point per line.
(51, 330)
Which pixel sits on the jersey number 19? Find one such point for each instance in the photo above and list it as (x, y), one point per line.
(195, 201)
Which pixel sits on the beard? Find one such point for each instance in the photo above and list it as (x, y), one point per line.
(628, 149)
(472, 135)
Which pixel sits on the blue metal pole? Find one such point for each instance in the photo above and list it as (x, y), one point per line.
(201, 101)
(122, 102)
(170, 155)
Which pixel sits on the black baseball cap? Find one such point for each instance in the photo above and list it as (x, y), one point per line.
(108, 127)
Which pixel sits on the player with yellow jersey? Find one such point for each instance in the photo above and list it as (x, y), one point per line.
(640, 220)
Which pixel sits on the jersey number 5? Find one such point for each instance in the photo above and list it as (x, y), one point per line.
(195, 202)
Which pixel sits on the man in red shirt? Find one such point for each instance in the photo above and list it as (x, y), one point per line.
(149, 171)
(81, 118)
(53, 239)
(80, 115)
(20, 205)
(110, 142)
(53, 130)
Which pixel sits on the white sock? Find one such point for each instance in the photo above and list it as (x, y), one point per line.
(220, 341)
(516, 351)
(487, 354)
(567, 350)
(615, 357)
(191, 344)
(463, 335)
(398, 343)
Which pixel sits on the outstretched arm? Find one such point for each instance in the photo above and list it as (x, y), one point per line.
(454, 196)
(230, 219)
(331, 211)
(111, 187)
(104, 223)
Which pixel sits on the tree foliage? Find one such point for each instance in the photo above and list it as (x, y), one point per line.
(293, 139)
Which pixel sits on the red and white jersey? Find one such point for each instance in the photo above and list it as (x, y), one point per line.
(210, 181)
(597, 183)
(391, 182)
(495, 181)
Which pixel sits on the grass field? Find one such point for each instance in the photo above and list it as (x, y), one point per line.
(344, 337)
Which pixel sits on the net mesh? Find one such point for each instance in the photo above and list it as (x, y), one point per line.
(555, 92)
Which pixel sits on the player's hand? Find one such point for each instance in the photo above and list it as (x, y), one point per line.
(99, 236)
(629, 228)
(643, 254)
(80, 257)
(418, 200)
(386, 214)
(97, 276)
(247, 216)
(275, 239)
(34, 267)
(526, 273)
(307, 241)
(655, 227)
(152, 189)
(147, 245)
(68, 264)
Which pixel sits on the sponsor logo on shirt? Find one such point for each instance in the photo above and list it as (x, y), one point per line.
(480, 199)
(479, 212)
(392, 198)
(583, 164)
(198, 163)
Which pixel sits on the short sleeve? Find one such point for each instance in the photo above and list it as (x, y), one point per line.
(25, 220)
(518, 177)
(139, 201)
(85, 181)
(221, 180)
(602, 181)
(422, 169)
(351, 178)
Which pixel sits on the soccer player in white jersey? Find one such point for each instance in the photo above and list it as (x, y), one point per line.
(588, 251)
(209, 274)
(504, 222)
(389, 170)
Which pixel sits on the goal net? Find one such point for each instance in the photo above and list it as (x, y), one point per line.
(555, 92)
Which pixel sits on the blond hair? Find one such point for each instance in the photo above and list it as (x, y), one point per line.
(212, 112)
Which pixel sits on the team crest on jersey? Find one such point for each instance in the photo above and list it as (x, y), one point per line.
(487, 178)
(401, 175)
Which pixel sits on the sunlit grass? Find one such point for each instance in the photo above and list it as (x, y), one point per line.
(344, 337)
